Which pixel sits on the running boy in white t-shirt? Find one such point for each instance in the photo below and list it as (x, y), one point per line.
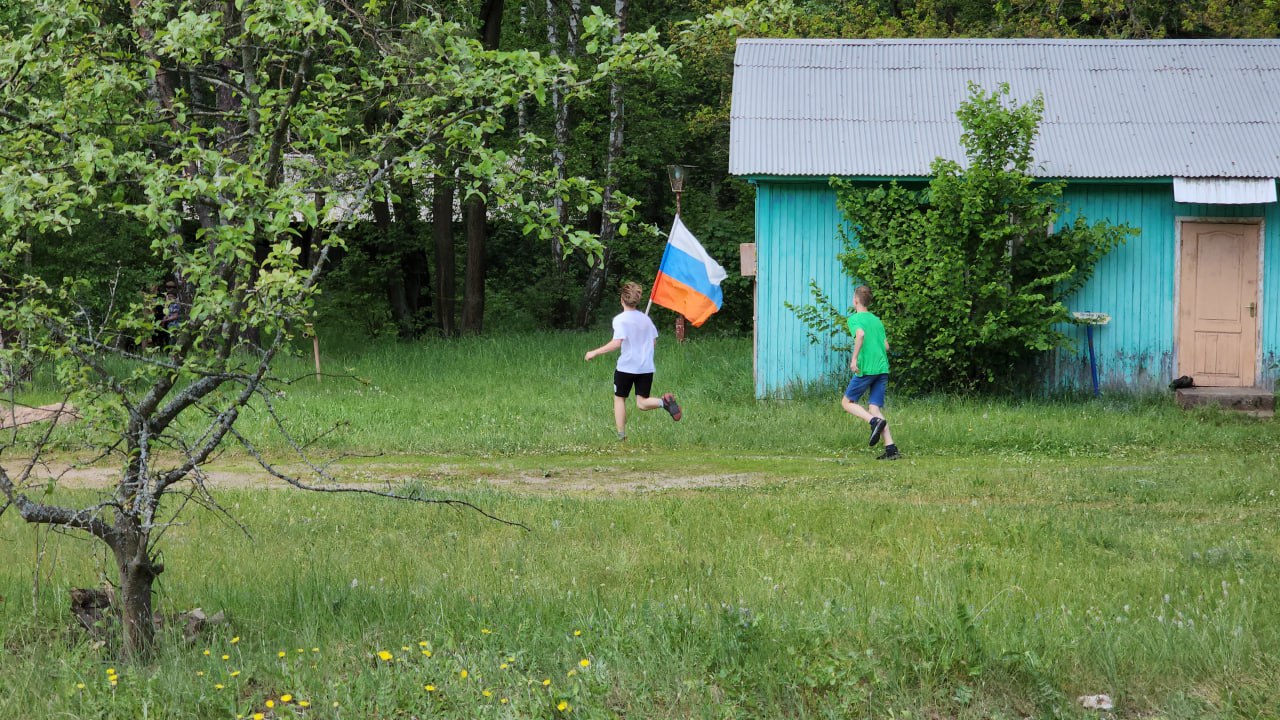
(635, 334)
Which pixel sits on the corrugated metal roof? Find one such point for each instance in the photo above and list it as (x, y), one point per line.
(1113, 108)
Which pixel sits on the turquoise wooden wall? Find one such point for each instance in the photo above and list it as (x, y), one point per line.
(1135, 284)
(797, 240)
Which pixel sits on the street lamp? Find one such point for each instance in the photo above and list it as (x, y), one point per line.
(676, 175)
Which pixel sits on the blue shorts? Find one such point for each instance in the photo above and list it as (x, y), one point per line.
(873, 385)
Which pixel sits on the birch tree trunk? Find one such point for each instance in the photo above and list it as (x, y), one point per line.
(599, 272)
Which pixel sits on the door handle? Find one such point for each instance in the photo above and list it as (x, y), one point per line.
(1253, 309)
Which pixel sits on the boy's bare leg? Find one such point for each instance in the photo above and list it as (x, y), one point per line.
(648, 403)
(620, 414)
(857, 410)
(886, 435)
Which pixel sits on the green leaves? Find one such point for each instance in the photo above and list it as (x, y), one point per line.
(967, 273)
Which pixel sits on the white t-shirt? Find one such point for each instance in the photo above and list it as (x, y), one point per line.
(637, 333)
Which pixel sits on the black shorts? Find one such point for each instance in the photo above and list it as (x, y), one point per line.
(623, 382)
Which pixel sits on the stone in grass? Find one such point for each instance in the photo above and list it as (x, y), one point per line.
(1096, 702)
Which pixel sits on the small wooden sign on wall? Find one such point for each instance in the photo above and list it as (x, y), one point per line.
(747, 254)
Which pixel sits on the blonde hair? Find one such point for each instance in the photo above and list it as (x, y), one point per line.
(631, 294)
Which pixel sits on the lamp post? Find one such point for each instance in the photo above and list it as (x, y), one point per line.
(676, 175)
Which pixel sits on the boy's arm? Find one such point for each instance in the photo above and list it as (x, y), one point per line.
(605, 348)
(857, 348)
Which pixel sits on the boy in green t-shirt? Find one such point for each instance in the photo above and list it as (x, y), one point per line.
(870, 366)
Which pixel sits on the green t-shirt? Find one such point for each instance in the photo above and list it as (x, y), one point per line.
(872, 358)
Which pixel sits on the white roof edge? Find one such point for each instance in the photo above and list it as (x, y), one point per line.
(1224, 191)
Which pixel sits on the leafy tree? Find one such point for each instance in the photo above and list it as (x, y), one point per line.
(211, 127)
(969, 273)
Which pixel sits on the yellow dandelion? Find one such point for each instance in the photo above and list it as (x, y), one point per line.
(429, 688)
(503, 666)
(315, 650)
(584, 662)
(113, 682)
(281, 654)
(504, 701)
(571, 673)
(235, 673)
(258, 716)
(226, 657)
(422, 643)
(577, 633)
(199, 673)
(563, 706)
(219, 686)
(304, 703)
(207, 653)
(546, 682)
(286, 698)
(235, 640)
(426, 653)
(462, 674)
(384, 655)
(485, 631)
(335, 703)
(486, 693)
(404, 648)
(79, 686)
(511, 659)
(270, 704)
(111, 671)
(301, 650)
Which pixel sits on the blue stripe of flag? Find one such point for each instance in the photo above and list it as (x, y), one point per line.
(680, 265)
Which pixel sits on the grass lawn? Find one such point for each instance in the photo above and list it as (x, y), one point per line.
(751, 561)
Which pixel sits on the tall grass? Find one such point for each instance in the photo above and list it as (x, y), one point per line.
(751, 561)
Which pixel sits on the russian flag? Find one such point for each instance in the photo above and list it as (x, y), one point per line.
(688, 279)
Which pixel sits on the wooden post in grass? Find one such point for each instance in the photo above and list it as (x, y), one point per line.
(315, 347)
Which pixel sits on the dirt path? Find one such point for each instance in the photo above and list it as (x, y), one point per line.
(384, 473)
(18, 415)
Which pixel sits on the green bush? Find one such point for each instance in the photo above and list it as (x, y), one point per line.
(970, 273)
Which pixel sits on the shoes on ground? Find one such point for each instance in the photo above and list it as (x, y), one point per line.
(622, 436)
(670, 405)
(890, 453)
(877, 428)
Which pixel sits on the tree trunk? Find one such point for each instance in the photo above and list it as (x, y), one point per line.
(446, 271)
(560, 109)
(599, 272)
(413, 257)
(137, 576)
(473, 288)
(477, 214)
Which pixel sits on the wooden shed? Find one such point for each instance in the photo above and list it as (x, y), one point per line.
(1179, 139)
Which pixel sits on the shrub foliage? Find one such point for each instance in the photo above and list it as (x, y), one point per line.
(970, 273)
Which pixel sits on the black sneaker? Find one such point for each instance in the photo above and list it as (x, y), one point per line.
(890, 455)
(877, 428)
(670, 405)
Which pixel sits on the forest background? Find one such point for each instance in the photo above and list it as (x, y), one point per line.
(430, 262)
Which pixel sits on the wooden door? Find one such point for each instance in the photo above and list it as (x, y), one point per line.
(1218, 304)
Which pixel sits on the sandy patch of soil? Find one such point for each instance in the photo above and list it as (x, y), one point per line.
(17, 415)
(389, 476)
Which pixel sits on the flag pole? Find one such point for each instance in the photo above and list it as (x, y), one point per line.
(665, 249)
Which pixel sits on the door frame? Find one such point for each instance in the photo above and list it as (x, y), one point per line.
(1181, 220)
